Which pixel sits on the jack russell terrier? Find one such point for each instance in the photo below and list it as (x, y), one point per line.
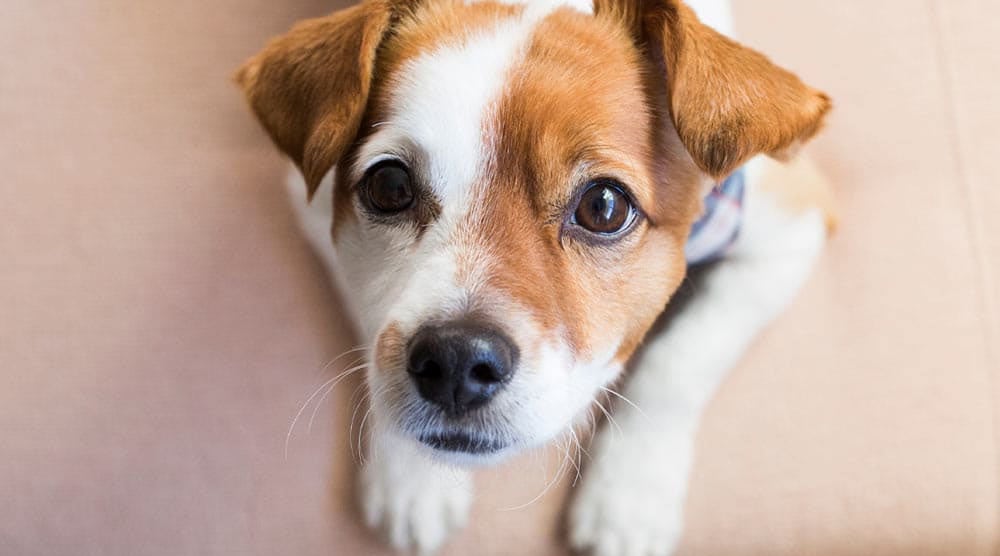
(509, 194)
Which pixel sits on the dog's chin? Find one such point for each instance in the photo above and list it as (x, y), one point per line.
(466, 449)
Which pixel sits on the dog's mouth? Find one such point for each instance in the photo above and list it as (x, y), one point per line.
(463, 443)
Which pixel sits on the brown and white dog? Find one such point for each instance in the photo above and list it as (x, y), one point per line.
(504, 192)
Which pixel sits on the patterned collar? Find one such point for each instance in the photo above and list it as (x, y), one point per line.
(715, 232)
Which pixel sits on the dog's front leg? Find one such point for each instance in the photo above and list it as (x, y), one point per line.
(414, 502)
(632, 496)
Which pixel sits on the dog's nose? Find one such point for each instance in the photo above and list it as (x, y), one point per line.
(460, 365)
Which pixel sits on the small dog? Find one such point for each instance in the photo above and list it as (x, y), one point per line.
(509, 194)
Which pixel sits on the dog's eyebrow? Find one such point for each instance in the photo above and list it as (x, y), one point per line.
(385, 144)
(372, 162)
(620, 160)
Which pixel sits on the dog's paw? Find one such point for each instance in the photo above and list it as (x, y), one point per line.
(415, 505)
(630, 502)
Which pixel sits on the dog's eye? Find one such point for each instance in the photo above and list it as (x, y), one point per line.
(387, 187)
(604, 208)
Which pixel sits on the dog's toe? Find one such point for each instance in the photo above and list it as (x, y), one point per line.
(624, 507)
(602, 527)
(415, 512)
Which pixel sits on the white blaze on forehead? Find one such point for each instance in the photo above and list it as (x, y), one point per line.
(441, 99)
(439, 105)
(436, 119)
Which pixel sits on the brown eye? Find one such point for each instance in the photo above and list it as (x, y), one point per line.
(604, 209)
(388, 188)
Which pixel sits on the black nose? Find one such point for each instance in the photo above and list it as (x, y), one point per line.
(460, 365)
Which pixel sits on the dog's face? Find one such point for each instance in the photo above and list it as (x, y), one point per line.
(499, 220)
(513, 188)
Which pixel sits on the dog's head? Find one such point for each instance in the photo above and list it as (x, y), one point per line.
(513, 189)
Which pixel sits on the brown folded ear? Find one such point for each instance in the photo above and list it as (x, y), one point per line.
(727, 101)
(310, 86)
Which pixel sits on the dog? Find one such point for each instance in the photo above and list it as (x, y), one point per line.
(509, 194)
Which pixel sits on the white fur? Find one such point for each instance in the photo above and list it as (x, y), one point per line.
(446, 135)
(414, 502)
(632, 497)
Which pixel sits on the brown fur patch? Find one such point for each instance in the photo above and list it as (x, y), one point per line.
(438, 24)
(309, 87)
(728, 102)
(576, 109)
(391, 348)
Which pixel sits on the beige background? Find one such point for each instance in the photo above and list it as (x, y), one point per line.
(161, 322)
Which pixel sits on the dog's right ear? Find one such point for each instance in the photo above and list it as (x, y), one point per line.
(309, 87)
(728, 102)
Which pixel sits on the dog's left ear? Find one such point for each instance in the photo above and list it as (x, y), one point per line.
(309, 87)
(728, 102)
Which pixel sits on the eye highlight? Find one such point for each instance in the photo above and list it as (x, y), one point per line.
(387, 187)
(604, 208)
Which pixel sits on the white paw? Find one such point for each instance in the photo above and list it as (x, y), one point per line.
(415, 504)
(630, 502)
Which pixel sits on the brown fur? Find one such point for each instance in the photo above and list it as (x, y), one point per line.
(309, 87)
(544, 130)
(390, 347)
(728, 102)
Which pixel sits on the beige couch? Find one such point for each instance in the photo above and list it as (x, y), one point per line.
(161, 322)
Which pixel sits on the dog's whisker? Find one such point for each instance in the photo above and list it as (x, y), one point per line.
(298, 414)
(575, 463)
(579, 456)
(579, 444)
(326, 387)
(355, 349)
(593, 431)
(361, 432)
(608, 416)
(339, 378)
(362, 400)
(361, 428)
(626, 400)
(548, 486)
(540, 459)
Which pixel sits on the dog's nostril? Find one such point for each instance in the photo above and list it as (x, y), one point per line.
(485, 374)
(460, 365)
(430, 369)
